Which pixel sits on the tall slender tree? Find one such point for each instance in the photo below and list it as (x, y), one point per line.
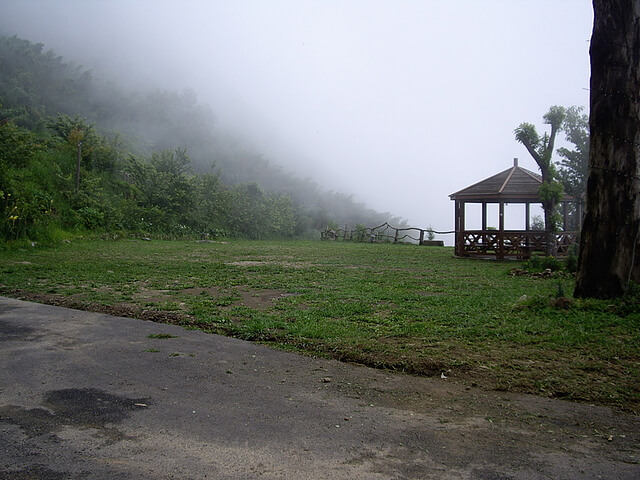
(541, 149)
(609, 258)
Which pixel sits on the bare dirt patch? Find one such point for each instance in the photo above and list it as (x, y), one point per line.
(152, 295)
(261, 263)
(256, 299)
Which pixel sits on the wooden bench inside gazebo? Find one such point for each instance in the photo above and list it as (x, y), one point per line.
(515, 185)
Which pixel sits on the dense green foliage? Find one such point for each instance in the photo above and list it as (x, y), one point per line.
(574, 166)
(80, 155)
(406, 307)
(118, 193)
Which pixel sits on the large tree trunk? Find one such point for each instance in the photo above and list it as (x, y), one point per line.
(609, 248)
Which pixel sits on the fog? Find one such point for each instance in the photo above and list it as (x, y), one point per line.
(398, 102)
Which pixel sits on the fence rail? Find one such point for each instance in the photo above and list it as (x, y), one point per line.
(385, 233)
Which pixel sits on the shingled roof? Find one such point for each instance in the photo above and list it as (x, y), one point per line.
(515, 184)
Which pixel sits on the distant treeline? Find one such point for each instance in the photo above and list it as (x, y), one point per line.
(78, 154)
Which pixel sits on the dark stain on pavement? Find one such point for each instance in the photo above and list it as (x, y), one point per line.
(91, 407)
(33, 422)
(36, 472)
(75, 407)
(10, 331)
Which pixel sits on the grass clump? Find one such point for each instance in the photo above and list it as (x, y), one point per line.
(539, 263)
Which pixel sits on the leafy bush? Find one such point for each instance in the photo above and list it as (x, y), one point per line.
(360, 232)
(571, 263)
(539, 263)
(630, 302)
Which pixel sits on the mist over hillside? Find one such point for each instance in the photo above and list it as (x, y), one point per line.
(399, 102)
(37, 85)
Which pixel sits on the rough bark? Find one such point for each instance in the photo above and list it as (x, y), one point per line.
(609, 249)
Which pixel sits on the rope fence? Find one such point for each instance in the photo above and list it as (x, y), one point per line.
(385, 233)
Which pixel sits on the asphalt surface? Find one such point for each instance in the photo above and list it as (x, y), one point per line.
(86, 395)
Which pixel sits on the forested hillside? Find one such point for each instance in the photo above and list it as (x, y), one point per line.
(80, 154)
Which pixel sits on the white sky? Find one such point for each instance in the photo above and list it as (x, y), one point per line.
(399, 102)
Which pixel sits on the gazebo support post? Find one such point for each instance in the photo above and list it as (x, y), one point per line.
(501, 233)
(456, 227)
(460, 221)
(484, 216)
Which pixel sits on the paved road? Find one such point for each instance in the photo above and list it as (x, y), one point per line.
(86, 395)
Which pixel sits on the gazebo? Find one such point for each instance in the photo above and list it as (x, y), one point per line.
(515, 185)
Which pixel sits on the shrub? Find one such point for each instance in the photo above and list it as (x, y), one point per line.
(539, 263)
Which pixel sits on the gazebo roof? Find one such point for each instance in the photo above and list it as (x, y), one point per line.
(515, 184)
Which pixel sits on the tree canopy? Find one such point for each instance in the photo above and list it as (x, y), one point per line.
(573, 168)
(541, 149)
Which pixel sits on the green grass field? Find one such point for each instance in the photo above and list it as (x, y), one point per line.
(403, 307)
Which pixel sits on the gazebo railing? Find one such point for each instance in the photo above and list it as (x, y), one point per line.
(564, 241)
(511, 243)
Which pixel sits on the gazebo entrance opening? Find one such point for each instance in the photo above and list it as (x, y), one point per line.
(515, 216)
(485, 224)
